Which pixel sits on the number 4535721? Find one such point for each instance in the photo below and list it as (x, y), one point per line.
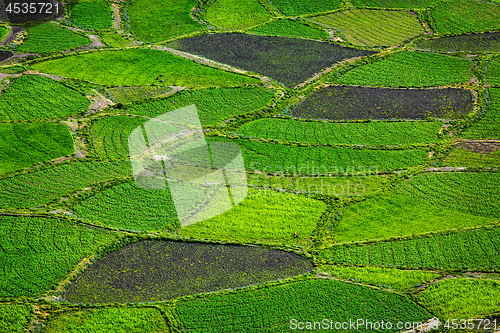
(32, 8)
(470, 324)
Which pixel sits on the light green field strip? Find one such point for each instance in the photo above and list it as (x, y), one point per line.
(462, 298)
(49, 37)
(407, 4)
(113, 68)
(487, 127)
(290, 28)
(301, 7)
(92, 14)
(465, 158)
(493, 76)
(15, 318)
(237, 14)
(365, 27)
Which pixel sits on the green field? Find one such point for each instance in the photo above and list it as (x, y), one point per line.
(374, 133)
(494, 73)
(158, 270)
(15, 318)
(382, 277)
(128, 206)
(264, 217)
(113, 68)
(154, 21)
(463, 250)
(372, 27)
(287, 159)
(300, 7)
(4, 31)
(43, 186)
(49, 37)
(32, 97)
(410, 69)
(26, 144)
(237, 14)
(381, 217)
(462, 298)
(465, 158)
(212, 105)
(115, 39)
(394, 3)
(487, 127)
(92, 14)
(290, 28)
(471, 42)
(461, 191)
(305, 301)
(39, 252)
(127, 95)
(462, 16)
(109, 320)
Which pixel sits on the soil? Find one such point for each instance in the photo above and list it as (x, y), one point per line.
(116, 13)
(480, 147)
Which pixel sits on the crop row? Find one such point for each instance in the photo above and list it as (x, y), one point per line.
(156, 270)
(38, 252)
(487, 127)
(131, 94)
(374, 133)
(368, 27)
(473, 249)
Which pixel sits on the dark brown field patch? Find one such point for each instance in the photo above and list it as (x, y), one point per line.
(480, 147)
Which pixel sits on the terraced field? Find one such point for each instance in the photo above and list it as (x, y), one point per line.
(342, 163)
(289, 61)
(410, 69)
(27, 144)
(355, 103)
(50, 37)
(371, 28)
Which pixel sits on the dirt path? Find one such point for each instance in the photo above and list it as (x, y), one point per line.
(99, 103)
(212, 63)
(53, 77)
(95, 42)
(445, 169)
(116, 13)
(14, 30)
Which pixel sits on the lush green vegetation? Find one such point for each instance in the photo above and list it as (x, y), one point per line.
(473, 43)
(154, 21)
(264, 217)
(288, 159)
(128, 206)
(461, 191)
(43, 186)
(212, 105)
(341, 103)
(126, 95)
(109, 136)
(113, 68)
(411, 69)
(109, 320)
(15, 318)
(373, 27)
(39, 252)
(383, 216)
(374, 133)
(287, 60)
(494, 73)
(305, 301)
(465, 158)
(4, 31)
(38, 97)
(92, 14)
(461, 16)
(379, 276)
(27, 144)
(474, 250)
(462, 298)
(115, 39)
(489, 126)
(299, 7)
(290, 28)
(237, 14)
(331, 185)
(395, 3)
(49, 37)
(156, 270)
